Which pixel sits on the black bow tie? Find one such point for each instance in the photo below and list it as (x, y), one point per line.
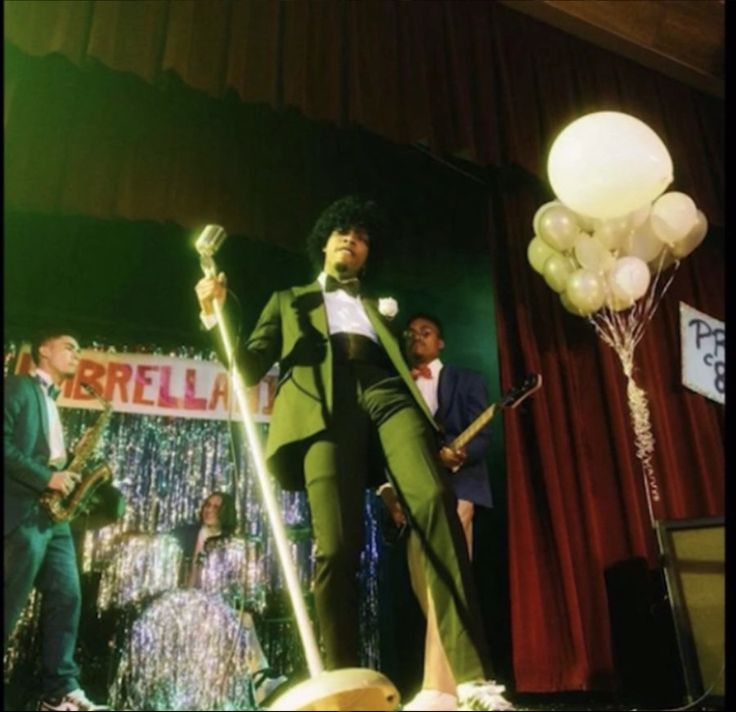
(51, 388)
(351, 286)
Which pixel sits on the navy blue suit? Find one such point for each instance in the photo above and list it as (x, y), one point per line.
(462, 396)
(37, 551)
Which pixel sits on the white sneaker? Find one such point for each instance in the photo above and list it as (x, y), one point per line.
(427, 700)
(74, 700)
(486, 695)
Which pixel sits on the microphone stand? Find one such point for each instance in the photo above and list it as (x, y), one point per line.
(346, 689)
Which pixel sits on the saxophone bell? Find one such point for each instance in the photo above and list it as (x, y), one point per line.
(92, 475)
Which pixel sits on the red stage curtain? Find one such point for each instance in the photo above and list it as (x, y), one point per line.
(469, 78)
(576, 502)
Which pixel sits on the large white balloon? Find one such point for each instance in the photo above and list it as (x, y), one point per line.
(608, 164)
(629, 279)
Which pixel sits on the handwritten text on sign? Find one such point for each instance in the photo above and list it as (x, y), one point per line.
(151, 384)
(703, 341)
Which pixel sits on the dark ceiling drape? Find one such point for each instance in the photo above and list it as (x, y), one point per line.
(473, 79)
(470, 79)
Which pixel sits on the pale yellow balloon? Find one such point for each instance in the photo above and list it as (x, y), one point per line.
(585, 290)
(673, 216)
(617, 304)
(537, 253)
(557, 269)
(540, 211)
(629, 278)
(612, 232)
(592, 255)
(665, 260)
(569, 306)
(643, 243)
(558, 227)
(608, 163)
(682, 248)
(639, 217)
(586, 223)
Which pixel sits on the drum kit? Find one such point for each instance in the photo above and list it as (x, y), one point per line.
(182, 648)
(145, 566)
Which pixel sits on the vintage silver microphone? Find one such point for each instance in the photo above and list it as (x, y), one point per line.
(346, 689)
(209, 241)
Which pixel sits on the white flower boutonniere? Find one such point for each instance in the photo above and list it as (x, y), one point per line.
(388, 307)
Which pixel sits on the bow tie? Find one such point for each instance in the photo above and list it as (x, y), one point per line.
(51, 388)
(351, 286)
(422, 371)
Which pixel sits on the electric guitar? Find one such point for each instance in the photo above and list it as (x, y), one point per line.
(511, 399)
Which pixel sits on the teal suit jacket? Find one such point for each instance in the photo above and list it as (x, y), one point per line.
(292, 330)
(26, 471)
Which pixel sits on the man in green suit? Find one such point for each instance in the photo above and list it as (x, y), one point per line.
(345, 387)
(38, 551)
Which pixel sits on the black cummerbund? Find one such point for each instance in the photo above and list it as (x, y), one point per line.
(355, 347)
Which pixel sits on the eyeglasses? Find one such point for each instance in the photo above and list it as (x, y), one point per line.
(411, 334)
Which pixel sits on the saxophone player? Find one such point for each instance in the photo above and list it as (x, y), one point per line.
(38, 551)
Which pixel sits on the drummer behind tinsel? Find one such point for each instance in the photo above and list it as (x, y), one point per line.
(217, 523)
(37, 550)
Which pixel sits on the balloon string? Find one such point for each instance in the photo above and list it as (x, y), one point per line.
(644, 438)
(622, 331)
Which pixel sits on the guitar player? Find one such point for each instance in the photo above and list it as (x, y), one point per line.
(456, 397)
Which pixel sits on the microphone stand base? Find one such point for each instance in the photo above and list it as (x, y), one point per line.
(349, 689)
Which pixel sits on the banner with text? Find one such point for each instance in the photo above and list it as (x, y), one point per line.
(703, 342)
(151, 384)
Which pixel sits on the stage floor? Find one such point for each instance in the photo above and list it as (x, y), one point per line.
(577, 702)
(15, 699)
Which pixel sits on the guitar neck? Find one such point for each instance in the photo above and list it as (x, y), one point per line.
(474, 428)
(511, 400)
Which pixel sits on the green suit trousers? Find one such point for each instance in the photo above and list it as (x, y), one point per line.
(372, 403)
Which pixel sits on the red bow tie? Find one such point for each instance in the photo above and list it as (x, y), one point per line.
(422, 371)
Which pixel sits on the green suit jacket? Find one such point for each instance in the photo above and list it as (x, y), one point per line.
(292, 330)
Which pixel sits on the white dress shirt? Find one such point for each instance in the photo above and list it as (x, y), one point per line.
(345, 313)
(57, 449)
(428, 387)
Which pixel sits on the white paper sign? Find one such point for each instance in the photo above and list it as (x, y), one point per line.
(703, 341)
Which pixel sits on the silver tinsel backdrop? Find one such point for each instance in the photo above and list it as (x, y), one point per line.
(165, 467)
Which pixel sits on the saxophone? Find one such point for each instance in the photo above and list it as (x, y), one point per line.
(64, 509)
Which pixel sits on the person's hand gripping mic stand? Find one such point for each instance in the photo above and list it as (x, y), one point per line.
(347, 689)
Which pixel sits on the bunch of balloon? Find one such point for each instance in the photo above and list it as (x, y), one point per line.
(611, 243)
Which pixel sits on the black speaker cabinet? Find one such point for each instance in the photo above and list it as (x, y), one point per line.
(693, 553)
(643, 639)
